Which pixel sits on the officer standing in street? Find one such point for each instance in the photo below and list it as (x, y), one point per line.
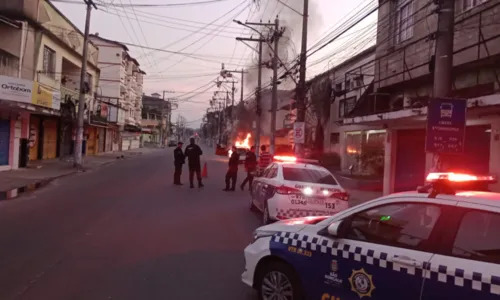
(193, 153)
(179, 160)
(251, 167)
(232, 171)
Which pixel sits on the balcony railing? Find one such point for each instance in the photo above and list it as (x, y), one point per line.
(9, 64)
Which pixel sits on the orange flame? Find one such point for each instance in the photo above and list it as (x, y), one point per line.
(245, 143)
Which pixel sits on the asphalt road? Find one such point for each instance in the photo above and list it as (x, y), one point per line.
(125, 232)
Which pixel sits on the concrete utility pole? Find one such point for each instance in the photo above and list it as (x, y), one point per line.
(443, 68)
(301, 88)
(274, 102)
(164, 132)
(259, 85)
(78, 163)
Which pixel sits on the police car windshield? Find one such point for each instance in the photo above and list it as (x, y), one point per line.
(308, 175)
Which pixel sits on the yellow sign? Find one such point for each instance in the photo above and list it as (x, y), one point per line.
(327, 296)
(361, 283)
(42, 96)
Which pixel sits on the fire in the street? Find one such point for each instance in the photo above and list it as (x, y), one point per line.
(241, 144)
(245, 143)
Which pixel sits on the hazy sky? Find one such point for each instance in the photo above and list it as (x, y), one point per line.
(206, 32)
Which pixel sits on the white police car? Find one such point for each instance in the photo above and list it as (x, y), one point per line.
(289, 189)
(440, 244)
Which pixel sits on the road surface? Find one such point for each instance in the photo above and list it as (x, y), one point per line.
(125, 232)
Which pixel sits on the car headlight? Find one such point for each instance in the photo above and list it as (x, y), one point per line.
(257, 234)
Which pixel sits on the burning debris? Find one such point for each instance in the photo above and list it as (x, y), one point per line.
(243, 144)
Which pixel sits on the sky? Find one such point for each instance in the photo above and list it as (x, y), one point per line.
(182, 47)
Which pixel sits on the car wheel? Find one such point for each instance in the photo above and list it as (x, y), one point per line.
(266, 219)
(278, 280)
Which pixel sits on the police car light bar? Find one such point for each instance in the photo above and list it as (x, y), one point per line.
(460, 177)
(281, 158)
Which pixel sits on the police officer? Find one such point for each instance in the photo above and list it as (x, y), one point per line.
(232, 171)
(193, 153)
(250, 166)
(179, 160)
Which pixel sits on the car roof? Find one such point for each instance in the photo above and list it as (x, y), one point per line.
(475, 197)
(299, 165)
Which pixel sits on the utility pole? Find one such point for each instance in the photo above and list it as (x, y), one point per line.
(78, 163)
(258, 97)
(232, 104)
(274, 102)
(443, 68)
(301, 88)
(229, 73)
(259, 87)
(164, 132)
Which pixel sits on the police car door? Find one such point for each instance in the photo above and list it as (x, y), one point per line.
(267, 186)
(469, 267)
(257, 187)
(380, 251)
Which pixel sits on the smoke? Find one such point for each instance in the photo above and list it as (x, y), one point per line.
(289, 46)
(288, 50)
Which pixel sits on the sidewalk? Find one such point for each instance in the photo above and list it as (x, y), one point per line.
(47, 170)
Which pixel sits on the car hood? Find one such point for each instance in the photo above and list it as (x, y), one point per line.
(292, 225)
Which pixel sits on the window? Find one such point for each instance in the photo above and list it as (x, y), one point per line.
(334, 138)
(404, 20)
(341, 108)
(469, 4)
(338, 87)
(267, 170)
(346, 106)
(348, 84)
(49, 62)
(477, 237)
(403, 225)
(308, 175)
(273, 172)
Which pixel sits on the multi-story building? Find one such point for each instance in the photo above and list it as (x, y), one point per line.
(121, 81)
(350, 80)
(46, 89)
(155, 112)
(403, 85)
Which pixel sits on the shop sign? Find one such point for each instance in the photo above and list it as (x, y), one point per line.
(27, 91)
(446, 118)
(15, 89)
(42, 96)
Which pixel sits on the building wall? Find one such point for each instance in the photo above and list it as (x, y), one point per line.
(20, 43)
(399, 61)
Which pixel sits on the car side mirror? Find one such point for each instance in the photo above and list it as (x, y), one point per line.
(334, 228)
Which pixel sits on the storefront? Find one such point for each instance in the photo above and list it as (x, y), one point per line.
(43, 137)
(4, 141)
(91, 147)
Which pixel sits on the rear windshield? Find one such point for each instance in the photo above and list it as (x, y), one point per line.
(241, 151)
(308, 175)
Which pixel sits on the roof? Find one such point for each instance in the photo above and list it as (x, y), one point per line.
(66, 19)
(467, 197)
(97, 36)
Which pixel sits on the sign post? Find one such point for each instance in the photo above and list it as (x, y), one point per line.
(299, 132)
(446, 121)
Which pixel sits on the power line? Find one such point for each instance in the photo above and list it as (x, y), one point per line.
(145, 5)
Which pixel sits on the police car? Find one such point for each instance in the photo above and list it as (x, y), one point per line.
(437, 243)
(288, 188)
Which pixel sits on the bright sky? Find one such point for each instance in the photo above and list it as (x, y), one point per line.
(206, 32)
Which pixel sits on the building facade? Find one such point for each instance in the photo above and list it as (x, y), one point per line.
(41, 54)
(403, 86)
(121, 81)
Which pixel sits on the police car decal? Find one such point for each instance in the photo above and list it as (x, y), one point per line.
(369, 272)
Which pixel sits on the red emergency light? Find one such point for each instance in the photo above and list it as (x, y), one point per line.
(460, 177)
(285, 158)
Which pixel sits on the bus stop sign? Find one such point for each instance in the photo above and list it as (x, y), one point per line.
(446, 119)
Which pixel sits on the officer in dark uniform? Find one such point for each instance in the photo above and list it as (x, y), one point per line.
(179, 160)
(193, 153)
(251, 167)
(232, 172)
